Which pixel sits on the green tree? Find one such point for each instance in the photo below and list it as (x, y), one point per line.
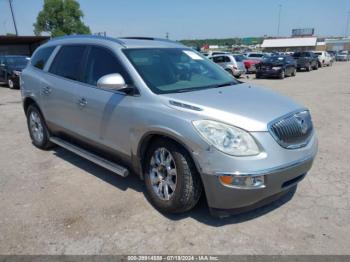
(60, 17)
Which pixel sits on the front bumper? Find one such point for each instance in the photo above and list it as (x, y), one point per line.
(269, 72)
(282, 169)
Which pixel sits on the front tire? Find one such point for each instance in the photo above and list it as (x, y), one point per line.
(172, 181)
(10, 83)
(38, 130)
(294, 72)
(282, 75)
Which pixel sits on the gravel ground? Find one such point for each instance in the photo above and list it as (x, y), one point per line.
(54, 202)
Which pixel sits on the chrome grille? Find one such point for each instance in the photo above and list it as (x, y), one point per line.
(292, 131)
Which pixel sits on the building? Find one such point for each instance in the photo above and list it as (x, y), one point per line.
(290, 44)
(20, 45)
(338, 44)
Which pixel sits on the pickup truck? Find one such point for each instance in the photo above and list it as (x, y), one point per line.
(306, 60)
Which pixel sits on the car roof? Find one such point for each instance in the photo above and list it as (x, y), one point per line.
(123, 42)
(14, 56)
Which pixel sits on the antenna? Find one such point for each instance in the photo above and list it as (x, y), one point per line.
(13, 17)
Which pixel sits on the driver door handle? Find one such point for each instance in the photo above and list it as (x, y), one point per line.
(46, 90)
(82, 102)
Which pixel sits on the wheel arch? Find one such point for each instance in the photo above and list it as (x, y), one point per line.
(28, 101)
(147, 139)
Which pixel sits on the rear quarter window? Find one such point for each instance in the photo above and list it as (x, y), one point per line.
(41, 56)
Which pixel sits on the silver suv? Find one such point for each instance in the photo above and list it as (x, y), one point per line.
(171, 116)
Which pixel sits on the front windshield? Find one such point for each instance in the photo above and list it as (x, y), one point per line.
(19, 62)
(171, 70)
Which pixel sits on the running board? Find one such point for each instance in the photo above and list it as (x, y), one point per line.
(115, 168)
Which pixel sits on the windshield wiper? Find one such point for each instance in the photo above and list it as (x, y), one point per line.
(226, 84)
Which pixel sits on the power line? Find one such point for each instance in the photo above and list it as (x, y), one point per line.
(13, 17)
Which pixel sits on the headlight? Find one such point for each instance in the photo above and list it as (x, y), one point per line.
(228, 139)
(276, 68)
(17, 73)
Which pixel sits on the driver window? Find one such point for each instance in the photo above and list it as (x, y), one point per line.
(101, 62)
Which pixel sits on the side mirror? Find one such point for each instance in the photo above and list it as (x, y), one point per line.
(112, 81)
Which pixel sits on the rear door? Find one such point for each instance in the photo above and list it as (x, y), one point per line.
(59, 87)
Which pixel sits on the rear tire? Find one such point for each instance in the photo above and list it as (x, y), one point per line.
(172, 181)
(38, 130)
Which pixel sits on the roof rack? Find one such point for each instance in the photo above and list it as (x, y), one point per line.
(150, 38)
(90, 36)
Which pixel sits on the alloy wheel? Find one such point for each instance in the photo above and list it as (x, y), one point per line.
(36, 127)
(163, 173)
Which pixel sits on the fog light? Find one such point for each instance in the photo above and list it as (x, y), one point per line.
(248, 182)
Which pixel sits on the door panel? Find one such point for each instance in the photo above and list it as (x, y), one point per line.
(59, 86)
(100, 114)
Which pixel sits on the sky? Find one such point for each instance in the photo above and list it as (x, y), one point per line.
(193, 19)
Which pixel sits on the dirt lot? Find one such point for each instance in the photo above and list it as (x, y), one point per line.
(57, 203)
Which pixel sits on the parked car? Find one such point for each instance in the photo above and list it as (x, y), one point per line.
(324, 58)
(252, 59)
(213, 53)
(11, 68)
(343, 56)
(276, 66)
(332, 54)
(250, 65)
(306, 60)
(230, 64)
(256, 55)
(162, 111)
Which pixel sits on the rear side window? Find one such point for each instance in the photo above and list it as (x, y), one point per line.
(227, 59)
(40, 58)
(219, 59)
(68, 61)
(101, 62)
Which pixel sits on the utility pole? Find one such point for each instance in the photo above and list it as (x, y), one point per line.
(279, 19)
(13, 17)
(347, 25)
(167, 35)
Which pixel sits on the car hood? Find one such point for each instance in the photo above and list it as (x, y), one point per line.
(243, 105)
